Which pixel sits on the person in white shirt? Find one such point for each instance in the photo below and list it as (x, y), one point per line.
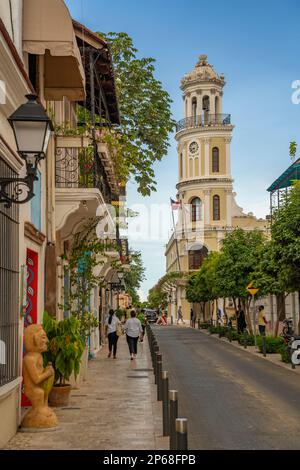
(111, 325)
(133, 329)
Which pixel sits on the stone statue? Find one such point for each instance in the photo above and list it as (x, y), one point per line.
(37, 380)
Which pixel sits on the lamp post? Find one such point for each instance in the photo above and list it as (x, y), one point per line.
(32, 129)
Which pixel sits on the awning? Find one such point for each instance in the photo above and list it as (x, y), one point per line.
(287, 178)
(48, 31)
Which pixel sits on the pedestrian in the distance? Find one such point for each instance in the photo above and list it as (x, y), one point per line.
(241, 320)
(111, 325)
(192, 321)
(133, 330)
(141, 317)
(180, 316)
(262, 321)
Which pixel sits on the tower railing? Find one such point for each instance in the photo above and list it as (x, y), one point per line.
(204, 120)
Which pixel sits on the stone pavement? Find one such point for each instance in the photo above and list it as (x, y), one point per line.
(115, 409)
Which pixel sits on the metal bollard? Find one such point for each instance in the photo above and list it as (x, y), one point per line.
(264, 345)
(158, 358)
(154, 361)
(173, 411)
(155, 350)
(158, 379)
(165, 402)
(199, 323)
(181, 434)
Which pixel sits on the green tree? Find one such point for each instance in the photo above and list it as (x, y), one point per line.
(157, 298)
(293, 150)
(201, 287)
(135, 276)
(286, 237)
(146, 121)
(269, 278)
(237, 262)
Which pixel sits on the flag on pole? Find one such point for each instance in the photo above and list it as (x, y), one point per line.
(175, 204)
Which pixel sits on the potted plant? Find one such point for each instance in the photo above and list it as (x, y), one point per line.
(64, 352)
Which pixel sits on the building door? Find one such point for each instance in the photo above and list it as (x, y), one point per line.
(31, 314)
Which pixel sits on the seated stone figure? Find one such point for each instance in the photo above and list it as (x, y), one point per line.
(36, 380)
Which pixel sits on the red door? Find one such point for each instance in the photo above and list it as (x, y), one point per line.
(32, 260)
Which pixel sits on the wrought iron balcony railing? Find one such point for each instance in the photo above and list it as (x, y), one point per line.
(81, 168)
(204, 120)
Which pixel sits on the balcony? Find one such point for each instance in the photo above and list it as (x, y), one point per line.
(85, 181)
(205, 120)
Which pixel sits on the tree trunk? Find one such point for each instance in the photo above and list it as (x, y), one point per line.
(280, 309)
(224, 310)
(248, 318)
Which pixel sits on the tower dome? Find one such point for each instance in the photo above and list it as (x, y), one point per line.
(203, 72)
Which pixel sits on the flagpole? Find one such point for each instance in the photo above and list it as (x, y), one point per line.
(176, 241)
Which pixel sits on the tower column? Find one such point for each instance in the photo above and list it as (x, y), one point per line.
(206, 157)
(207, 194)
(228, 207)
(228, 156)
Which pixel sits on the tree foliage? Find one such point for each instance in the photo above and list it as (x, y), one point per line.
(134, 278)
(146, 121)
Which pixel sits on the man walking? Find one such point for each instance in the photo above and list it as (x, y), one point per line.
(180, 316)
(262, 321)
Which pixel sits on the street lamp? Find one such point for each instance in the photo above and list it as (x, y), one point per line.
(32, 129)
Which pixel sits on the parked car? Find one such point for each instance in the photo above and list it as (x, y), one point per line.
(150, 315)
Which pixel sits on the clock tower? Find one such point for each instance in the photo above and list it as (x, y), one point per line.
(204, 137)
(208, 206)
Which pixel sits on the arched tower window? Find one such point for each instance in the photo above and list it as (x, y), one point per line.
(215, 160)
(205, 103)
(205, 107)
(216, 207)
(196, 204)
(194, 109)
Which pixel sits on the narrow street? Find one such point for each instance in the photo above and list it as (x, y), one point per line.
(233, 400)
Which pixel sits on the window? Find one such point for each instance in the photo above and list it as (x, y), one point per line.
(196, 209)
(216, 207)
(9, 287)
(196, 258)
(215, 160)
(194, 109)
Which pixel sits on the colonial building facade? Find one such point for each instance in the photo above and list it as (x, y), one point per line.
(205, 185)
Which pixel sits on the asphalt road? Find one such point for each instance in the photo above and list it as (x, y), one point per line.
(232, 399)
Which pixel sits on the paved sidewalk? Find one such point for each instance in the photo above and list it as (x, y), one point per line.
(115, 408)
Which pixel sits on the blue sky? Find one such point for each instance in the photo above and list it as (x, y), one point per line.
(255, 44)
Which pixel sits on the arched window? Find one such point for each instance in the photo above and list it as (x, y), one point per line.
(196, 209)
(205, 103)
(215, 160)
(216, 207)
(196, 257)
(194, 109)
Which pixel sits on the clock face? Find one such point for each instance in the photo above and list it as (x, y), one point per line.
(194, 147)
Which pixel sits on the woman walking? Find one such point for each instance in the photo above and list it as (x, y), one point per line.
(111, 325)
(133, 330)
